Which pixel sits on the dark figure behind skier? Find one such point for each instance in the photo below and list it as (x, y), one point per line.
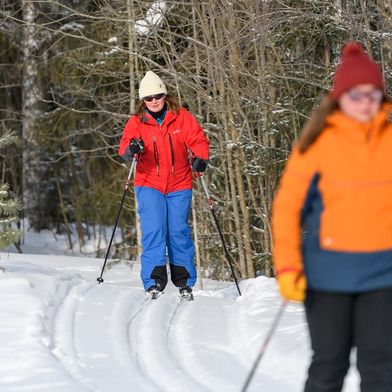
(163, 134)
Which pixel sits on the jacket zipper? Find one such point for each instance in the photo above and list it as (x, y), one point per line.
(171, 153)
(156, 154)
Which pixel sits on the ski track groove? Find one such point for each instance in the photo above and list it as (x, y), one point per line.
(213, 379)
(181, 304)
(173, 342)
(123, 345)
(144, 344)
(64, 334)
(121, 340)
(109, 358)
(133, 342)
(155, 355)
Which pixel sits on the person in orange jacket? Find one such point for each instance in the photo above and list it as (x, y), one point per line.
(170, 144)
(332, 228)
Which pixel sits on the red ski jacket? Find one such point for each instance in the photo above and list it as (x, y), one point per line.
(164, 163)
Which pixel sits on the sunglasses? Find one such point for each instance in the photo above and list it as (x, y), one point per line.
(373, 95)
(157, 97)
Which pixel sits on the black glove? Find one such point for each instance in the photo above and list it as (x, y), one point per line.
(199, 165)
(136, 146)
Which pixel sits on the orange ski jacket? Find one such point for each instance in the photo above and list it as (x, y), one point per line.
(332, 215)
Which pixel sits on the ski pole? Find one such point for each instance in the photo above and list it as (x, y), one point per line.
(265, 345)
(99, 279)
(227, 254)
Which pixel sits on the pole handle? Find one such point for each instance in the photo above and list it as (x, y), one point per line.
(204, 185)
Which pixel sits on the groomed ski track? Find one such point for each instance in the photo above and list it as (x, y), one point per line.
(62, 332)
(138, 342)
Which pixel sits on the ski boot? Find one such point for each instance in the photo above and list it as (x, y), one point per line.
(186, 293)
(155, 291)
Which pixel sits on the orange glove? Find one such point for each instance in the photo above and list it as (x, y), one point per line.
(292, 285)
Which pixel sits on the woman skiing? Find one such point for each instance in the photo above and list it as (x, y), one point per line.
(164, 136)
(337, 188)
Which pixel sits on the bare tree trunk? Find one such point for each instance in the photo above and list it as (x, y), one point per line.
(133, 73)
(62, 207)
(75, 193)
(32, 164)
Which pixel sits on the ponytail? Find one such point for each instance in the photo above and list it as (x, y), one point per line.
(316, 123)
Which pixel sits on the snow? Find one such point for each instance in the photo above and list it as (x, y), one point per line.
(113, 40)
(71, 26)
(111, 51)
(142, 27)
(60, 331)
(49, 242)
(154, 17)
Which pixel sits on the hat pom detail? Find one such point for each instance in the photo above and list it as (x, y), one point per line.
(352, 48)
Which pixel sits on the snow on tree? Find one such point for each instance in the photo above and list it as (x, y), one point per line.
(154, 18)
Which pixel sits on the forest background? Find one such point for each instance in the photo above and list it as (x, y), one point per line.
(249, 70)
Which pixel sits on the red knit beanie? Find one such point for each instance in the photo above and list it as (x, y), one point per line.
(355, 67)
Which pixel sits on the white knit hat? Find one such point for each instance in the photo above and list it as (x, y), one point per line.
(151, 84)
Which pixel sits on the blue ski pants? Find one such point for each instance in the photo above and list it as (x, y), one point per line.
(164, 225)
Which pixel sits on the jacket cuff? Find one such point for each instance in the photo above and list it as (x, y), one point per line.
(127, 155)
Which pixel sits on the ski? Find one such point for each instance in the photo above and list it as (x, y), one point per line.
(186, 294)
(155, 291)
(187, 298)
(155, 294)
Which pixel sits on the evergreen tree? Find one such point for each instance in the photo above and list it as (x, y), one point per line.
(9, 206)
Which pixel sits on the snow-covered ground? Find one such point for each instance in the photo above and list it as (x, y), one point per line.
(60, 331)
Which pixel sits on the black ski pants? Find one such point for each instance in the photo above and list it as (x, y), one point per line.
(337, 322)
